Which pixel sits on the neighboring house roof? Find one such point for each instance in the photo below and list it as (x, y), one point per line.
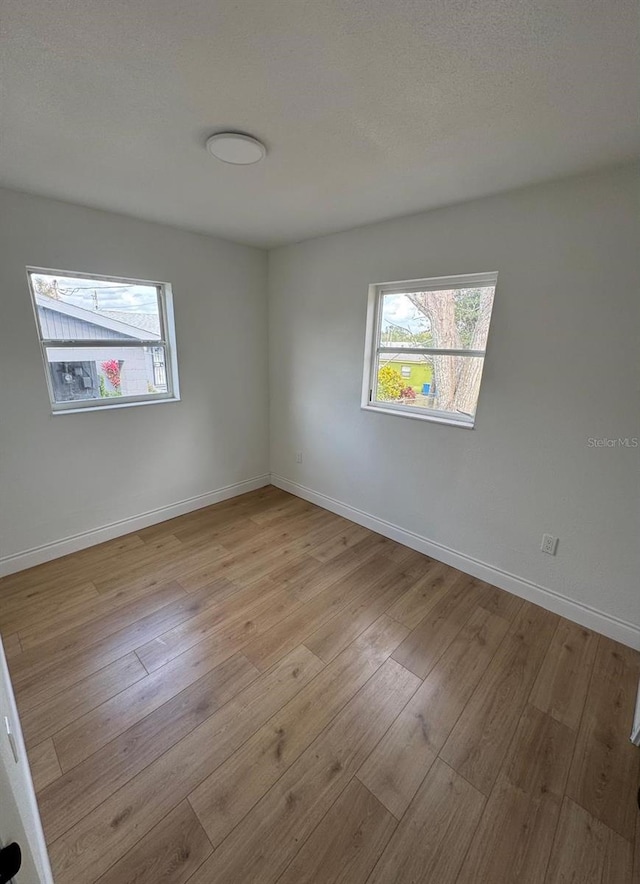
(399, 356)
(405, 358)
(80, 322)
(147, 322)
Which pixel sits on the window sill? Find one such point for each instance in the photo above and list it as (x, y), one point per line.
(131, 404)
(431, 416)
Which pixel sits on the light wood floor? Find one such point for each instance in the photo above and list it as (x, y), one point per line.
(262, 691)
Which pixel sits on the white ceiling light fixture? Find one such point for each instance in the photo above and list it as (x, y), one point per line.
(235, 148)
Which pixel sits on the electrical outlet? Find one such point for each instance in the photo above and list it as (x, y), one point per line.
(549, 544)
(298, 457)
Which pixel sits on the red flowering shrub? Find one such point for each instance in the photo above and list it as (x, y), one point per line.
(112, 370)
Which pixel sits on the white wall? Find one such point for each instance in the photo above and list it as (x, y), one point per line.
(65, 474)
(562, 366)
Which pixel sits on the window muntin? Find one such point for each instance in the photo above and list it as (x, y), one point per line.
(438, 327)
(105, 341)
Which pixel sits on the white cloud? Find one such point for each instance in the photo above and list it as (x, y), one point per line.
(109, 295)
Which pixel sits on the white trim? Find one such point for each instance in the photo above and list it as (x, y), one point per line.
(167, 340)
(430, 351)
(37, 555)
(613, 627)
(79, 274)
(373, 348)
(635, 729)
(33, 825)
(421, 414)
(437, 283)
(129, 402)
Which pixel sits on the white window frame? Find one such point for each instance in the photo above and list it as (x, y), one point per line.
(167, 341)
(373, 349)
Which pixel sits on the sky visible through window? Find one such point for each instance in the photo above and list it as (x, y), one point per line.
(399, 311)
(97, 294)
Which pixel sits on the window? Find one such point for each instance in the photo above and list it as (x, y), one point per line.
(105, 341)
(425, 347)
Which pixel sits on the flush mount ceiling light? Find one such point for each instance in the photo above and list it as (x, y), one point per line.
(232, 147)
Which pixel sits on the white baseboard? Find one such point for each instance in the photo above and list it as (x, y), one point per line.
(619, 630)
(37, 555)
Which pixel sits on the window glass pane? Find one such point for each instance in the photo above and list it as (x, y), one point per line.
(456, 319)
(76, 308)
(101, 373)
(440, 383)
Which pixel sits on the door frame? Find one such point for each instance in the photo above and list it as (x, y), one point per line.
(18, 775)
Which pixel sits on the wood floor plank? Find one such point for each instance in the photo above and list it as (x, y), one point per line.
(243, 541)
(300, 571)
(87, 734)
(306, 583)
(11, 644)
(284, 529)
(86, 614)
(350, 536)
(286, 507)
(477, 745)
(604, 773)
(398, 764)
(165, 568)
(411, 559)
(424, 646)
(347, 843)
(226, 796)
(269, 837)
(58, 711)
(201, 526)
(254, 610)
(229, 532)
(36, 660)
(44, 765)
(561, 686)
(412, 607)
(514, 839)
(143, 564)
(193, 579)
(247, 572)
(431, 840)
(344, 627)
(15, 617)
(305, 619)
(502, 603)
(169, 854)
(297, 770)
(101, 837)
(586, 851)
(26, 586)
(247, 566)
(62, 674)
(67, 568)
(248, 535)
(93, 780)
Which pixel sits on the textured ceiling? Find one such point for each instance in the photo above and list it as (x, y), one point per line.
(369, 108)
